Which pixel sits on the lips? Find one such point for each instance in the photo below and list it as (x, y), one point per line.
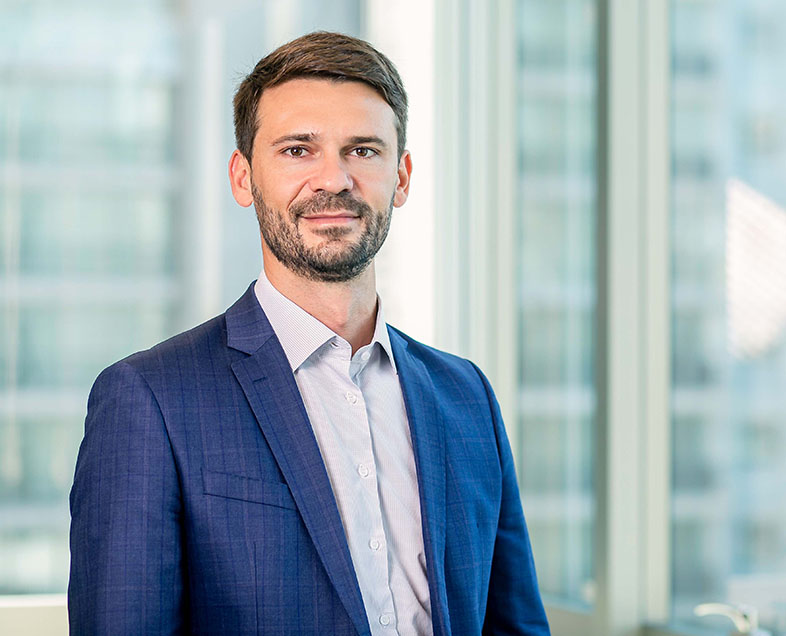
(321, 218)
(330, 219)
(337, 215)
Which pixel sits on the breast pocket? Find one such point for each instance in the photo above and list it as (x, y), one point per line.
(242, 488)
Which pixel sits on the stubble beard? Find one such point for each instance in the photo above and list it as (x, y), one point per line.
(334, 260)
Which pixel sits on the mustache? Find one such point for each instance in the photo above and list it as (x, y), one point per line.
(329, 201)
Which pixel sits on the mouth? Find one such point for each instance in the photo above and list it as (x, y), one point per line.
(328, 218)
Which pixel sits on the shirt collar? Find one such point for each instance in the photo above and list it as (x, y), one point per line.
(300, 333)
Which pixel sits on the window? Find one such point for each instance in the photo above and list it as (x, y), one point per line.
(609, 222)
(728, 304)
(89, 249)
(555, 266)
(648, 195)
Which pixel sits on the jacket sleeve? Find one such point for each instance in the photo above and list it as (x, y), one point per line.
(126, 552)
(514, 605)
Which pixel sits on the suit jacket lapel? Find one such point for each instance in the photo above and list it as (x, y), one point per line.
(267, 380)
(428, 440)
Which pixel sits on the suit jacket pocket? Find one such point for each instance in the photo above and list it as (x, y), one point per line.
(245, 488)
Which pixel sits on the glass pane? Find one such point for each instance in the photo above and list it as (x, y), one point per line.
(58, 347)
(83, 231)
(729, 307)
(87, 241)
(114, 119)
(556, 280)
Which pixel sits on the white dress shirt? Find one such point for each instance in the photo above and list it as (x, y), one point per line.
(357, 412)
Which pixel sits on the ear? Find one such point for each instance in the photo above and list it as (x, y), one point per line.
(240, 179)
(404, 173)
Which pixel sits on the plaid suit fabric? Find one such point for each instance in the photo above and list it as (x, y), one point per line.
(201, 504)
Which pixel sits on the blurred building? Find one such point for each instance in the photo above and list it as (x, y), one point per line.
(729, 422)
(90, 270)
(729, 428)
(556, 146)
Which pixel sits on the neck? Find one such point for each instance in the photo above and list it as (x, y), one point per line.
(348, 308)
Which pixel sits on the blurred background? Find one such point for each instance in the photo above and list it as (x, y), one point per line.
(598, 218)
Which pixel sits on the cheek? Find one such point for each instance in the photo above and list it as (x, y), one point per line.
(280, 191)
(377, 187)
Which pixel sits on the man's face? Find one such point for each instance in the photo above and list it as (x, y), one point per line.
(325, 176)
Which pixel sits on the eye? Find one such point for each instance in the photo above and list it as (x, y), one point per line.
(295, 151)
(364, 152)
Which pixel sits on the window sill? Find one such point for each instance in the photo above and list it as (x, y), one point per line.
(34, 614)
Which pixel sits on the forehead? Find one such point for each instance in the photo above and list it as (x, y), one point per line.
(324, 106)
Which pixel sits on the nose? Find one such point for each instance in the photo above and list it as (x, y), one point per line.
(332, 175)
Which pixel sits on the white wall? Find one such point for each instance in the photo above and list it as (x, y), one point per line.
(406, 266)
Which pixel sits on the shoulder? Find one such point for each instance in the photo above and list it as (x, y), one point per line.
(180, 355)
(198, 340)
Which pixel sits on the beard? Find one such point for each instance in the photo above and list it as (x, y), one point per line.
(334, 260)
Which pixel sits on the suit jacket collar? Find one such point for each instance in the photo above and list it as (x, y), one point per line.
(267, 380)
(247, 326)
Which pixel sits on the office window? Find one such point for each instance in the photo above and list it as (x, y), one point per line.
(556, 287)
(729, 306)
(88, 268)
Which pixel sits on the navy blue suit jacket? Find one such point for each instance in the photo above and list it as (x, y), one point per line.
(201, 503)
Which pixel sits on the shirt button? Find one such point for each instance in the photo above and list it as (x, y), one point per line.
(334, 344)
(363, 470)
(365, 356)
(374, 544)
(384, 620)
(351, 397)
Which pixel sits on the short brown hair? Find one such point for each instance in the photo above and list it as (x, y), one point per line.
(320, 54)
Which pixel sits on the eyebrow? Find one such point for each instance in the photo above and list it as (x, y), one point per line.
(367, 140)
(302, 137)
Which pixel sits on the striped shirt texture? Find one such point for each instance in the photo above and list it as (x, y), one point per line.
(356, 409)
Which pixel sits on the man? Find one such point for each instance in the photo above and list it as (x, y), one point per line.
(295, 466)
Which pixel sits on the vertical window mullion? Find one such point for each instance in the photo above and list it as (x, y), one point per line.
(619, 430)
(656, 373)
